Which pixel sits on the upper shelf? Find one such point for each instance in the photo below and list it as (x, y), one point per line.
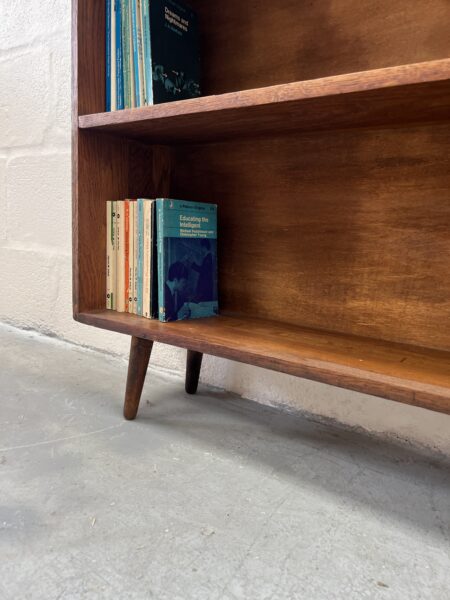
(402, 94)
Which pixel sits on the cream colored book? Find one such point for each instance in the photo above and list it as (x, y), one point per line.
(131, 289)
(109, 255)
(120, 250)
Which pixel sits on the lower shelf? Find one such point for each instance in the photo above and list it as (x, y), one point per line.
(417, 376)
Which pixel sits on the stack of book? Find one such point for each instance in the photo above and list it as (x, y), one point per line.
(161, 258)
(152, 53)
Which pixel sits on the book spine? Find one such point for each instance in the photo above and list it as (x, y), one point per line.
(113, 57)
(153, 264)
(130, 41)
(114, 256)
(132, 257)
(109, 252)
(135, 26)
(126, 273)
(140, 54)
(140, 248)
(161, 257)
(120, 250)
(146, 282)
(119, 56)
(148, 76)
(125, 34)
(135, 257)
(108, 55)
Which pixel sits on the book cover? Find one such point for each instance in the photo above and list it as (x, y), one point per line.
(126, 52)
(140, 254)
(147, 53)
(187, 259)
(108, 55)
(120, 252)
(109, 255)
(140, 54)
(131, 289)
(126, 253)
(175, 54)
(119, 55)
(113, 57)
(135, 17)
(130, 37)
(135, 256)
(148, 278)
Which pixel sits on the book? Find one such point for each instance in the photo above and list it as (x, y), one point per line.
(110, 254)
(113, 79)
(140, 255)
(131, 288)
(136, 25)
(120, 256)
(148, 260)
(108, 55)
(126, 255)
(174, 66)
(126, 52)
(119, 55)
(147, 53)
(135, 257)
(187, 259)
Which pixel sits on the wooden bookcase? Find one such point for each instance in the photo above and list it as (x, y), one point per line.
(324, 138)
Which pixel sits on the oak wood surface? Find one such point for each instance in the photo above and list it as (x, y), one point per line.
(345, 230)
(407, 374)
(265, 42)
(140, 351)
(401, 94)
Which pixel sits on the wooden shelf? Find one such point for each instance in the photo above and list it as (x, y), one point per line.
(402, 94)
(404, 373)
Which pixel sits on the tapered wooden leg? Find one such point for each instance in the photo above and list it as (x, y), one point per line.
(193, 366)
(140, 351)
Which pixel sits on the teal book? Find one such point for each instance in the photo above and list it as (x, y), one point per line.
(126, 53)
(186, 235)
(171, 51)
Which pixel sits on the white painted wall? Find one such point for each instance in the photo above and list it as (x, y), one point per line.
(35, 231)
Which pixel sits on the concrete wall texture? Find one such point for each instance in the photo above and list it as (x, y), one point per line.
(35, 232)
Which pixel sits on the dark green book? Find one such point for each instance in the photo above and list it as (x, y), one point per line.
(171, 51)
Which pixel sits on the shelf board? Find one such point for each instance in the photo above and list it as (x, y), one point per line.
(394, 95)
(407, 374)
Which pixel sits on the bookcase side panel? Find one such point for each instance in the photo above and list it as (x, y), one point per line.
(253, 44)
(88, 33)
(343, 231)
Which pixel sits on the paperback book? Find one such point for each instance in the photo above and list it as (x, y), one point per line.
(152, 53)
(187, 259)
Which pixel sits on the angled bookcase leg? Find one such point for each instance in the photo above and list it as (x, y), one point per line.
(193, 366)
(140, 351)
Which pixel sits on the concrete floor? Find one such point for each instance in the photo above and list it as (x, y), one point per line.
(206, 497)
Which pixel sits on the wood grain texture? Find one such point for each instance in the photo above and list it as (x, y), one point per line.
(140, 351)
(327, 130)
(261, 42)
(193, 366)
(411, 375)
(402, 94)
(345, 231)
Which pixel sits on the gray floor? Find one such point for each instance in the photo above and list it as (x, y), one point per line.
(204, 497)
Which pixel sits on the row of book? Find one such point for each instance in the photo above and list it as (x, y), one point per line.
(161, 258)
(152, 53)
